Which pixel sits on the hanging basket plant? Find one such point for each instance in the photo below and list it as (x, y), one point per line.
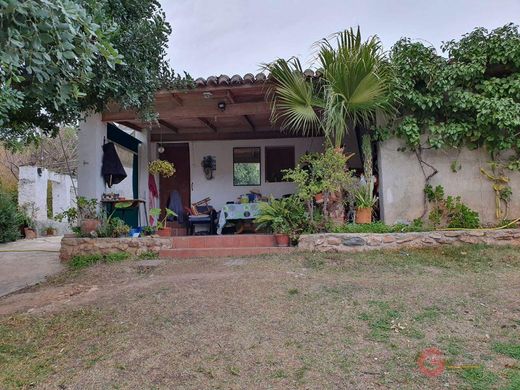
(161, 167)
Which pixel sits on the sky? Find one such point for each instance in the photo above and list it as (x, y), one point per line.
(230, 37)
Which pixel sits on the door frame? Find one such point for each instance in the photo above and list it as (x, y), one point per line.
(158, 156)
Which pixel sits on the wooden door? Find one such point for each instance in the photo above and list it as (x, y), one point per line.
(179, 155)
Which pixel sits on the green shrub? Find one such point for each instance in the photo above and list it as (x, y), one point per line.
(148, 255)
(450, 211)
(9, 219)
(83, 261)
(379, 227)
(286, 215)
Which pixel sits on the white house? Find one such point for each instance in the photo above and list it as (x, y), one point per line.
(225, 118)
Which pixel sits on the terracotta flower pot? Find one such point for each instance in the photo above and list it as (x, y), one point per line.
(29, 233)
(363, 215)
(165, 232)
(281, 239)
(318, 198)
(89, 225)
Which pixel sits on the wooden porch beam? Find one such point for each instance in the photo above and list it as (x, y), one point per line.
(221, 136)
(207, 123)
(249, 123)
(168, 125)
(230, 97)
(131, 125)
(177, 98)
(195, 111)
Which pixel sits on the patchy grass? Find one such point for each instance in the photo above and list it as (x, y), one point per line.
(29, 345)
(148, 255)
(299, 320)
(480, 378)
(83, 261)
(511, 350)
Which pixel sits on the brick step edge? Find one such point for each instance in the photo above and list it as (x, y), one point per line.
(186, 253)
(232, 241)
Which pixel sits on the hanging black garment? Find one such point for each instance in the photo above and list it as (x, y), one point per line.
(112, 170)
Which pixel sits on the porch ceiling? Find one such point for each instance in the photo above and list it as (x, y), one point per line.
(195, 115)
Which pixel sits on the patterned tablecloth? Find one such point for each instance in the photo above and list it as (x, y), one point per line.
(235, 212)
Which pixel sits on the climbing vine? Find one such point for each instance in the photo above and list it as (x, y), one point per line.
(468, 97)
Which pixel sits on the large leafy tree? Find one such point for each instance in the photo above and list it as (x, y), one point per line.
(352, 88)
(62, 58)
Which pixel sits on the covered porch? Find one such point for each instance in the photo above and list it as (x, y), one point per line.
(218, 135)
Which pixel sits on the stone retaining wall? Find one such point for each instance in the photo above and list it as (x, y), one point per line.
(357, 242)
(72, 246)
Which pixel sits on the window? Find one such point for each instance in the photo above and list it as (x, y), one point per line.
(246, 166)
(278, 158)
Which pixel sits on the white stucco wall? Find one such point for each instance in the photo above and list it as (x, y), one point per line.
(220, 188)
(402, 182)
(90, 144)
(32, 195)
(90, 182)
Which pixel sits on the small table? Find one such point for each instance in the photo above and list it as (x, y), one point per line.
(135, 203)
(237, 212)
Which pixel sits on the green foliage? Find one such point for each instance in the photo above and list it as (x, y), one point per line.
(112, 227)
(379, 227)
(366, 149)
(63, 58)
(353, 86)
(479, 378)
(83, 261)
(320, 173)
(161, 167)
(148, 230)
(148, 255)
(511, 350)
(246, 174)
(471, 98)
(450, 211)
(156, 213)
(286, 215)
(84, 209)
(364, 196)
(47, 52)
(10, 219)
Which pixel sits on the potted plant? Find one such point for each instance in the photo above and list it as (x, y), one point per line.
(161, 167)
(50, 231)
(148, 230)
(281, 232)
(27, 220)
(87, 214)
(285, 218)
(162, 229)
(365, 201)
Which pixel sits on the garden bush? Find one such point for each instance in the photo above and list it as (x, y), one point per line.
(9, 219)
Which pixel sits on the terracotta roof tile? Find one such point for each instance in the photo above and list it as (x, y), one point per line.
(248, 78)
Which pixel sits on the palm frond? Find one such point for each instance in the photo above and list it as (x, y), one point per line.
(353, 87)
(294, 99)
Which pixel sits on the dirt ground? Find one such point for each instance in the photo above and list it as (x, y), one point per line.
(303, 320)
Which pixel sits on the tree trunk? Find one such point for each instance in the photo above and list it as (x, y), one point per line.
(336, 209)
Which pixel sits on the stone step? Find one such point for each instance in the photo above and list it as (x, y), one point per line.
(225, 241)
(187, 253)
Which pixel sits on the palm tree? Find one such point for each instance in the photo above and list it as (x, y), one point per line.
(352, 89)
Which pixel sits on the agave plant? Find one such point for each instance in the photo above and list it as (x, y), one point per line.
(352, 88)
